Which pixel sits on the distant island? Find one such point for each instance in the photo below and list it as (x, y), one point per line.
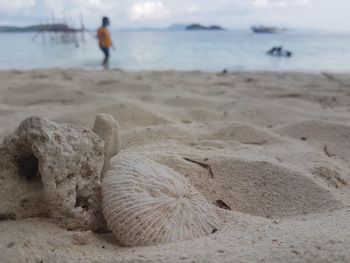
(66, 28)
(200, 27)
(38, 28)
(174, 27)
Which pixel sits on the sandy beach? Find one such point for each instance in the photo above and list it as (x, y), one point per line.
(278, 145)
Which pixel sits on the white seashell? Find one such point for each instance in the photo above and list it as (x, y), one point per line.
(146, 203)
(108, 129)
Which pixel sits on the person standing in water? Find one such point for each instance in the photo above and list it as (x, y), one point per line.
(105, 41)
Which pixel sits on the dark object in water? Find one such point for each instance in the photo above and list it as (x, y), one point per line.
(267, 29)
(223, 73)
(279, 52)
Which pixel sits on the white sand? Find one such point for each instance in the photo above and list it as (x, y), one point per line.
(278, 144)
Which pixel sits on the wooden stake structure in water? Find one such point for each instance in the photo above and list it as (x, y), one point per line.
(63, 32)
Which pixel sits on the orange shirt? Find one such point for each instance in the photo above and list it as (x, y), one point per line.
(104, 38)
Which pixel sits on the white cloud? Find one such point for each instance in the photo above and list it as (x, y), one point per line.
(13, 6)
(95, 2)
(193, 10)
(138, 13)
(278, 3)
(149, 11)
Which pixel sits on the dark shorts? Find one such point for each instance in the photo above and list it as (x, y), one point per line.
(105, 51)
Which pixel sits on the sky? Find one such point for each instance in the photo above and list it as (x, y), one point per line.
(234, 14)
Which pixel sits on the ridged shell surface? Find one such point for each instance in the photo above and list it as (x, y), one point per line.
(146, 203)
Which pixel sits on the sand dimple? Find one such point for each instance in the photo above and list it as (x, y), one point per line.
(325, 99)
(6, 112)
(181, 101)
(255, 187)
(331, 138)
(237, 132)
(34, 87)
(262, 113)
(43, 94)
(128, 115)
(115, 86)
(194, 114)
(270, 190)
(154, 134)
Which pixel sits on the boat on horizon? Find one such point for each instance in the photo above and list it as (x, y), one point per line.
(267, 29)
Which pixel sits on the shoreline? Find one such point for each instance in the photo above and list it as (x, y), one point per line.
(306, 72)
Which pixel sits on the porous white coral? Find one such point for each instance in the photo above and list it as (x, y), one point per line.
(146, 203)
(63, 162)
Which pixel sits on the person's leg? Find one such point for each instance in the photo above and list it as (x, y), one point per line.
(107, 58)
(105, 62)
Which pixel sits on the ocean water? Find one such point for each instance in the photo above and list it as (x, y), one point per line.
(199, 50)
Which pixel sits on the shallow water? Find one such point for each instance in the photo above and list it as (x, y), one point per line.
(208, 51)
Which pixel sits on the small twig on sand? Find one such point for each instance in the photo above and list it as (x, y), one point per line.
(325, 149)
(341, 180)
(328, 76)
(222, 205)
(279, 159)
(7, 217)
(204, 165)
(254, 143)
(290, 95)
